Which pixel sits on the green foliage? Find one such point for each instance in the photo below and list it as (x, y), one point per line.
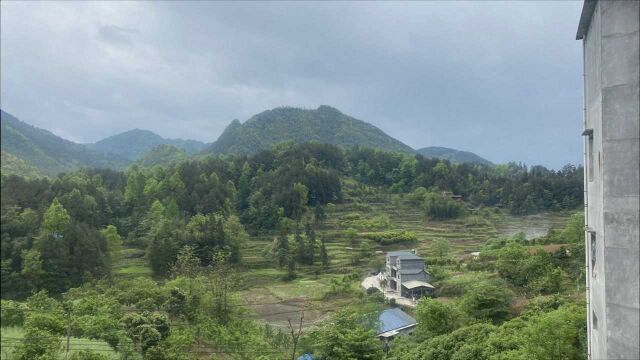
(12, 313)
(38, 344)
(436, 318)
(573, 231)
(114, 241)
(438, 206)
(440, 248)
(488, 301)
(459, 344)
(145, 329)
(345, 337)
(392, 237)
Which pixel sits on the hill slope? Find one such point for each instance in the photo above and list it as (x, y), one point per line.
(31, 147)
(134, 144)
(453, 155)
(164, 154)
(324, 124)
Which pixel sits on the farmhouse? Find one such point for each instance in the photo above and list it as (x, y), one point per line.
(406, 274)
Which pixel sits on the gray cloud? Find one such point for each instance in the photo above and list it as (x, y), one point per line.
(500, 79)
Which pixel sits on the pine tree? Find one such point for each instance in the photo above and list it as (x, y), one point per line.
(282, 248)
(291, 269)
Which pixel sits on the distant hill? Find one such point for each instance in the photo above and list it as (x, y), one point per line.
(26, 148)
(30, 151)
(134, 144)
(454, 156)
(164, 154)
(324, 124)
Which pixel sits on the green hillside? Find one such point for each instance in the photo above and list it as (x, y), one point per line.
(134, 144)
(164, 154)
(25, 147)
(453, 155)
(324, 124)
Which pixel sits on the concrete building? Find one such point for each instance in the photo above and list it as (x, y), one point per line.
(609, 31)
(406, 274)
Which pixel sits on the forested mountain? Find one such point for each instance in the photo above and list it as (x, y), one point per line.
(453, 155)
(30, 151)
(324, 125)
(28, 147)
(164, 154)
(136, 143)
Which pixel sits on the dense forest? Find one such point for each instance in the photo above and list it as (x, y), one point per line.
(193, 218)
(210, 203)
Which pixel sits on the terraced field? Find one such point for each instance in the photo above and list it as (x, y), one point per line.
(274, 301)
(464, 235)
(261, 278)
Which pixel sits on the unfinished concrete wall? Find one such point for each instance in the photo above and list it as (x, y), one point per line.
(612, 179)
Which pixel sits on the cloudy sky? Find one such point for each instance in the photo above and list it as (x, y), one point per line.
(500, 79)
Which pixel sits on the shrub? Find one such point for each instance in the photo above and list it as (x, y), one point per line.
(438, 207)
(49, 322)
(392, 237)
(38, 344)
(488, 301)
(12, 313)
(373, 290)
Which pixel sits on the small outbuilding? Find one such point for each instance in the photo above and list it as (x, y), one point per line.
(393, 322)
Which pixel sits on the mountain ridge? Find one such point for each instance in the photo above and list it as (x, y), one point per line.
(453, 155)
(324, 124)
(45, 151)
(136, 143)
(30, 151)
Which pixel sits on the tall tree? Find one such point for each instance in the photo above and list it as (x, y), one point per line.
(311, 243)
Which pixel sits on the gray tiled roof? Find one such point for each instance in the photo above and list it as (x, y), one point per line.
(411, 271)
(405, 255)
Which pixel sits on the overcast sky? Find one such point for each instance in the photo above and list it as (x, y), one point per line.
(502, 79)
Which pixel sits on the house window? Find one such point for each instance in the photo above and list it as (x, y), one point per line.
(594, 321)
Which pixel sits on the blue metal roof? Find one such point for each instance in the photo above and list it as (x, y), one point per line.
(392, 319)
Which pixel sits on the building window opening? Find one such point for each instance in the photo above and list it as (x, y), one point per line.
(594, 321)
(594, 252)
(589, 164)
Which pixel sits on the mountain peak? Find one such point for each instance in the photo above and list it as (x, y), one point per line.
(324, 124)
